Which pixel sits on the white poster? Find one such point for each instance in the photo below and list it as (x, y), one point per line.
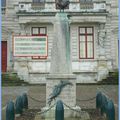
(25, 46)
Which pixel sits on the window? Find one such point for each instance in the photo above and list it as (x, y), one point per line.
(57, 7)
(3, 6)
(39, 31)
(86, 4)
(38, 4)
(86, 43)
(38, 1)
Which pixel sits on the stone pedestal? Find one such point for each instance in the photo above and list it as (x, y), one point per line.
(101, 53)
(102, 69)
(68, 93)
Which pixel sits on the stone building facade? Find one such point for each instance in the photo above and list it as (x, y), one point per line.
(93, 37)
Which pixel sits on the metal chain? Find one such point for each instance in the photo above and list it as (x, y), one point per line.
(102, 89)
(106, 88)
(46, 110)
(35, 99)
(73, 109)
(105, 92)
(87, 99)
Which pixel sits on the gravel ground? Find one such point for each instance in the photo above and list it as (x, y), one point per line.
(37, 98)
(30, 115)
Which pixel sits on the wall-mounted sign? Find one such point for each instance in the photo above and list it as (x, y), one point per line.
(30, 46)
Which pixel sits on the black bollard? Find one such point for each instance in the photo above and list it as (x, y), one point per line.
(10, 113)
(104, 104)
(110, 110)
(19, 105)
(98, 100)
(59, 111)
(25, 101)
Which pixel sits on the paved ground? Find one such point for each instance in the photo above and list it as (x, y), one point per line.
(37, 93)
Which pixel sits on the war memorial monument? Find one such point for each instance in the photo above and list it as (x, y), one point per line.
(61, 83)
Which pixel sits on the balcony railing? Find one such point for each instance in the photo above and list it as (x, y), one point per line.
(86, 4)
(37, 6)
(81, 6)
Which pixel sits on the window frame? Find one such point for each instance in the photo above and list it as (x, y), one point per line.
(86, 41)
(39, 31)
(3, 7)
(86, 4)
(38, 5)
(39, 57)
(38, 1)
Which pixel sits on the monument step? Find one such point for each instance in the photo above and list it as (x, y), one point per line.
(68, 115)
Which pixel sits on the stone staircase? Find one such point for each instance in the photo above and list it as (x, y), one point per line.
(11, 79)
(113, 78)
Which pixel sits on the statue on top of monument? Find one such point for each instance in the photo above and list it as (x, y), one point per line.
(62, 4)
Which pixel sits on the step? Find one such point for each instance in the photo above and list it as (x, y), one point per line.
(17, 84)
(5, 80)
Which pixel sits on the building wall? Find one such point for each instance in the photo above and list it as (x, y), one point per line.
(87, 70)
(114, 31)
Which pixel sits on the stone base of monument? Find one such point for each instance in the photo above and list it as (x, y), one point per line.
(68, 92)
(75, 114)
(67, 96)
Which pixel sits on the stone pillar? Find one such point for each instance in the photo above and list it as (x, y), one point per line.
(101, 41)
(102, 61)
(22, 29)
(10, 53)
(22, 62)
(102, 69)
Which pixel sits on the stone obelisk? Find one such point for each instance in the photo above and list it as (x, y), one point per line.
(61, 66)
(61, 58)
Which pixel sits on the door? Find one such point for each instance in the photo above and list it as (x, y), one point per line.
(4, 56)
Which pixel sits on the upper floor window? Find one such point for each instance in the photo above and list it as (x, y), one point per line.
(86, 43)
(3, 6)
(39, 31)
(86, 4)
(38, 1)
(38, 4)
